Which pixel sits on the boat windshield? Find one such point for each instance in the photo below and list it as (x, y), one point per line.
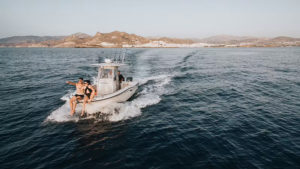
(106, 74)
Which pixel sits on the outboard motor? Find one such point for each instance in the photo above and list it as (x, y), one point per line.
(129, 79)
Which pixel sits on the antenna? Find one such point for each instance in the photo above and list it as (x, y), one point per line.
(115, 56)
(124, 55)
(118, 55)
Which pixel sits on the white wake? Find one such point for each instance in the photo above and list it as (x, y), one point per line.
(149, 95)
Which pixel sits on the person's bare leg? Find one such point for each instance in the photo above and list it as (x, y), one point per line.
(71, 104)
(74, 106)
(92, 95)
(83, 105)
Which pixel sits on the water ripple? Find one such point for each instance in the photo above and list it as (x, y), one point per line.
(195, 108)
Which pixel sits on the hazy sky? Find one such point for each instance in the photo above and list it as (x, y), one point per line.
(173, 18)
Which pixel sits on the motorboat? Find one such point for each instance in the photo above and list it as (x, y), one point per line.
(109, 88)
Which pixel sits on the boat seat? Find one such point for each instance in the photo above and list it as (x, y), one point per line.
(129, 79)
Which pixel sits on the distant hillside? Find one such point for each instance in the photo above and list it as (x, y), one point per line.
(174, 40)
(28, 39)
(227, 39)
(285, 38)
(115, 39)
(118, 39)
(69, 41)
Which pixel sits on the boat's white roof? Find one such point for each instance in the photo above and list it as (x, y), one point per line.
(108, 64)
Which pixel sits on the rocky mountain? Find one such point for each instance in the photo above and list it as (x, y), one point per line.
(248, 41)
(115, 39)
(173, 40)
(28, 39)
(70, 41)
(228, 39)
(285, 39)
(118, 39)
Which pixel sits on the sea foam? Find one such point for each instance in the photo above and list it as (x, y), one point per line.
(149, 93)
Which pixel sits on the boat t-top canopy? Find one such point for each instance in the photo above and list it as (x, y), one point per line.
(108, 64)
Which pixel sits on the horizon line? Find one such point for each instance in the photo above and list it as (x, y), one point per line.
(158, 36)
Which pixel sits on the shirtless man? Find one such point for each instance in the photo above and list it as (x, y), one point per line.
(78, 96)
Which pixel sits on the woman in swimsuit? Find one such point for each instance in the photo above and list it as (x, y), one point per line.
(89, 93)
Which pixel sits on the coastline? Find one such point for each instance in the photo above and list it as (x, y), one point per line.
(118, 39)
(157, 47)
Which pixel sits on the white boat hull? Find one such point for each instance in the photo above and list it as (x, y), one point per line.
(119, 96)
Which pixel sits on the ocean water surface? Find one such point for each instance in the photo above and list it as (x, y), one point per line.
(195, 108)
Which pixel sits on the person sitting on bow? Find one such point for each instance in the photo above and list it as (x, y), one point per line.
(89, 94)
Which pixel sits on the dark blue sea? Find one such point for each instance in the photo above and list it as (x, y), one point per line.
(223, 108)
